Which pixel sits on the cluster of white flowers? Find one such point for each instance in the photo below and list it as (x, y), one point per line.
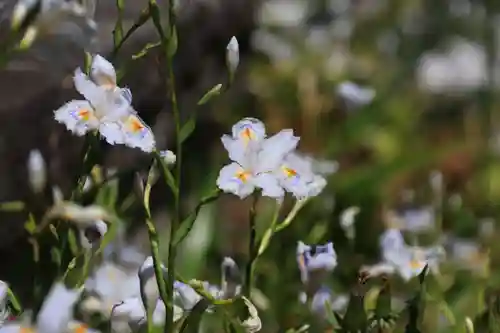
(268, 163)
(120, 290)
(107, 108)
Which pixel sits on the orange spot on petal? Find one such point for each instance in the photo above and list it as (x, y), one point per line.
(243, 176)
(26, 330)
(84, 114)
(135, 125)
(289, 172)
(81, 328)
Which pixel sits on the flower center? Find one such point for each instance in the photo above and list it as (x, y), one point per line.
(81, 328)
(289, 172)
(134, 125)
(247, 134)
(415, 264)
(243, 176)
(26, 330)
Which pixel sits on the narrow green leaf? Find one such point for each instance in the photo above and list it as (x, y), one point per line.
(145, 50)
(214, 92)
(329, 315)
(30, 225)
(56, 257)
(172, 43)
(12, 206)
(14, 301)
(155, 15)
(73, 242)
(192, 323)
(53, 231)
(188, 223)
(423, 274)
(87, 62)
(188, 128)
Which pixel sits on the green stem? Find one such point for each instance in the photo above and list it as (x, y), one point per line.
(153, 240)
(291, 216)
(251, 247)
(171, 92)
(266, 239)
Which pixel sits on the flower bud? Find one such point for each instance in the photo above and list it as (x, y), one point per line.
(232, 56)
(168, 156)
(469, 325)
(231, 278)
(91, 236)
(37, 173)
(252, 323)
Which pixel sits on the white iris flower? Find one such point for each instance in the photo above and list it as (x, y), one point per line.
(106, 108)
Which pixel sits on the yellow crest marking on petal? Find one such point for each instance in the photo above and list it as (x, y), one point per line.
(84, 114)
(135, 125)
(302, 261)
(247, 134)
(416, 264)
(289, 172)
(81, 328)
(26, 330)
(243, 175)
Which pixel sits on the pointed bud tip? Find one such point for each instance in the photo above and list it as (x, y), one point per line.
(233, 45)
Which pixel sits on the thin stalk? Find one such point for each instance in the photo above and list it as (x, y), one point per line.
(154, 244)
(171, 92)
(251, 247)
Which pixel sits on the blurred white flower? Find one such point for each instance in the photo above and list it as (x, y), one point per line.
(347, 219)
(252, 323)
(487, 227)
(436, 181)
(110, 283)
(50, 16)
(413, 260)
(91, 236)
(468, 254)
(407, 261)
(469, 325)
(323, 167)
(461, 68)
(82, 217)
(37, 172)
(232, 55)
(315, 257)
(281, 13)
(231, 278)
(321, 297)
(168, 156)
(147, 278)
(57, 309)
(129, 315)
(57, 195)
(4, 298)
(391, 243)
(106, 108)
(255, 158)
(418, 219)
(354, 95)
